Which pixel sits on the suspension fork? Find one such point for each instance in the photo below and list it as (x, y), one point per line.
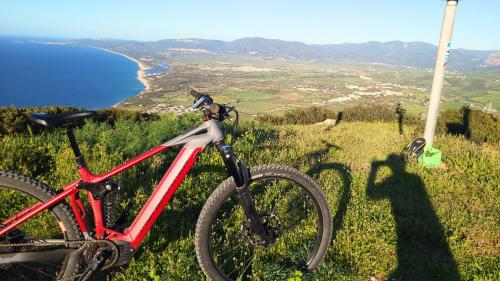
(241, 176)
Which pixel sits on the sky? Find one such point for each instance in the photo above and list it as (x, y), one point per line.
(310, 21)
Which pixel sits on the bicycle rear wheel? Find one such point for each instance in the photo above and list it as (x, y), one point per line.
(290, 204)
(55, 225)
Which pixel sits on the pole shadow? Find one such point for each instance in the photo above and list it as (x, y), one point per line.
(400, 112)
(422, 250)
(456, 128)
(340, 116)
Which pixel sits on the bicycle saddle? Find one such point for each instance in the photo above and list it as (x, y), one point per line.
(65, 119)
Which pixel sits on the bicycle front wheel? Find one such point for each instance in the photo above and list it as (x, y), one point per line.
(290, 204)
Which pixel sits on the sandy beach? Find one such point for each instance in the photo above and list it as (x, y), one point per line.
(140, 72)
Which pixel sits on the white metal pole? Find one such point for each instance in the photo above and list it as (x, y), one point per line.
(441, 63)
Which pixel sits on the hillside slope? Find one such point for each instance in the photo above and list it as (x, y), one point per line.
(390, 221)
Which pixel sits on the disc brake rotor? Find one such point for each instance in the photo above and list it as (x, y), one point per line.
(271, 223)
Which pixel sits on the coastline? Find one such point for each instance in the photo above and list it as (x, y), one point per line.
(140, 72)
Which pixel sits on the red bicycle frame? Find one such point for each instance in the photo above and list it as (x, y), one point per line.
(135, 233)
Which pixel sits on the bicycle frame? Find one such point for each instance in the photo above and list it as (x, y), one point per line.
(193, 142)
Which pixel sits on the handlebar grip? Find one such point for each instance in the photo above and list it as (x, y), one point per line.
(215, 108)
(218, 111)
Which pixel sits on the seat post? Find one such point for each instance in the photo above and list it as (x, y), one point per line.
(76, 150)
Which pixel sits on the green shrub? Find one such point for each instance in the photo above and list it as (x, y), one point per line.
(370, 113)
(315, 114)
(307, 115)
(16, 120)
(475, 125)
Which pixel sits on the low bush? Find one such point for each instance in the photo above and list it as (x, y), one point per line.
(375, 113)
(475, 125)
(16, 120)
(315, 114)
(306, 115)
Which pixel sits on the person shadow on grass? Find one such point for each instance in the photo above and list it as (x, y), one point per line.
(422, 250)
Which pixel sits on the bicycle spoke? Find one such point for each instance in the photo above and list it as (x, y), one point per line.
(246, 268)
(22, 277)
(225, 252)
(35, 270)
(49, 263)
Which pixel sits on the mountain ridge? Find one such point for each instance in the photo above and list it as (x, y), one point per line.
(412, 54)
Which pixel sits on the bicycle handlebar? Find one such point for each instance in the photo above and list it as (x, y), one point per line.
(214, 110)
(200, 99)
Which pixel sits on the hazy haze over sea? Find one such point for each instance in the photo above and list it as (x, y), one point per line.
(37, 74)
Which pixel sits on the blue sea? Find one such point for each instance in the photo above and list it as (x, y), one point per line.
(37, 74)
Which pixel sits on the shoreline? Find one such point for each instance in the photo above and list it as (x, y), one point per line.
(140, 71)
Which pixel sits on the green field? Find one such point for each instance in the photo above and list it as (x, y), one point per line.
(392, 221)
(260, 85)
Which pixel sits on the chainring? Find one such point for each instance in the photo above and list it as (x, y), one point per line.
(97, 246)
(89, 247)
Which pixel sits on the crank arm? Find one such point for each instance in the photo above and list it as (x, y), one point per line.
(95, 264)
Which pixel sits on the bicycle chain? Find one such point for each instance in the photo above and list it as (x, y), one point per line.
(51, 244)
(46, 244)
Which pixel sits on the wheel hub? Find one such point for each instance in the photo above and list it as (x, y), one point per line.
(271, 224)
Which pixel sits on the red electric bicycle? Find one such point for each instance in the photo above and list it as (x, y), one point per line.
(262, 223)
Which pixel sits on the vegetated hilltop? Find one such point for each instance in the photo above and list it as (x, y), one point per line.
(413, 54)
(391, 219)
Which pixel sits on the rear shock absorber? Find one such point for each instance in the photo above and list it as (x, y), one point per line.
(110, 203)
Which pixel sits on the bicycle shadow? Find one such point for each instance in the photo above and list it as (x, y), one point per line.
(345, 191)
(345, 174)
(422, 250)
(342, 193)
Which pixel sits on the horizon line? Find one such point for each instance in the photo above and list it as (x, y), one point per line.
(227, 41)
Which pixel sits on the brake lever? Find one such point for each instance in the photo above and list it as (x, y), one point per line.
(202, 99)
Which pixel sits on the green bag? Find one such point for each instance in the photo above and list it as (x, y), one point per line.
(431, 158)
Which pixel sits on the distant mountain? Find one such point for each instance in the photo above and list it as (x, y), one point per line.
(413, 54)
(493, 59)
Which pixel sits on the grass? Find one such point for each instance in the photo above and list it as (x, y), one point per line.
(392, 221)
